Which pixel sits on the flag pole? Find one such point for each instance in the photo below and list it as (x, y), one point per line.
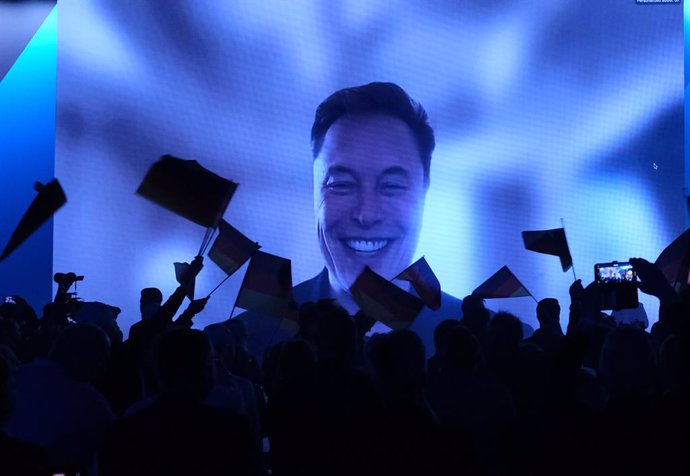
(572, 265)
(210, 239)
(203, 242)
(219, 285)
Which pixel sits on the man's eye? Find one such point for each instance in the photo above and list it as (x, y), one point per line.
(340, 186)
(393, 188)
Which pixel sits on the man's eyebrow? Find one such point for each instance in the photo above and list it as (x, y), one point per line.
(340, 169)
(396, 170)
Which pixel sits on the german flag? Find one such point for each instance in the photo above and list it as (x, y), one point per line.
(550, 242)
(502, 284)
(424, 282)
(384, 301)
(267, 285)
(231, 248)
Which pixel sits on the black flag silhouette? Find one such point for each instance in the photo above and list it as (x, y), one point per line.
(550, 242)
(188, 189)
(50, 197)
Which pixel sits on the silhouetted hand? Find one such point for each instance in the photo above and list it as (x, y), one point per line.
(652, 280)
(196, 265)
(576, 291)
(196, 306)
(190, 271)
(590, 300)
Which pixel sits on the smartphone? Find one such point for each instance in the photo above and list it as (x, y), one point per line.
(617, 283)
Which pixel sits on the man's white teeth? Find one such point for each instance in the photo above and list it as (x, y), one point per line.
(366, 245)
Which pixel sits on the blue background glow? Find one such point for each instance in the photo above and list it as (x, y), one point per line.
(27, 150)
(542, 110)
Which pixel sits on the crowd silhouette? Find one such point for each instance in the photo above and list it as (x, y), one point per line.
(604, 397)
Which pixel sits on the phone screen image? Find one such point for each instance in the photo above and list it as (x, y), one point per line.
(614, 273)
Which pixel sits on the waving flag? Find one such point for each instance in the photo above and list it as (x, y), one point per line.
(231, 248)
(267, 285)
(186, 188)
(550, 242)
(424, 282)
(384, 301)
(503, 284)
(181, 270)
(49, 199)
(674, 261)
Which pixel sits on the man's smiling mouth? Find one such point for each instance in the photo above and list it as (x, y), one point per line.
(366, 246)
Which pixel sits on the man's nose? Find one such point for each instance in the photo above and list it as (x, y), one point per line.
(367, 212)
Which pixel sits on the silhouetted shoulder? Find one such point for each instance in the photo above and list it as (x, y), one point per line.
(179, 437)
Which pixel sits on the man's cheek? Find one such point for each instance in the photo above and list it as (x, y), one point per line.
(333, 210)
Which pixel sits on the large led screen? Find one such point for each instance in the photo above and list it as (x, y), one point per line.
(542, 111)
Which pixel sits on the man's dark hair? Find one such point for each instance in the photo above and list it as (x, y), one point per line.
(375, 98)
(152, 295)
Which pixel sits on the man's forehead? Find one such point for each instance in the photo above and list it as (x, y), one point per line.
(375, 142)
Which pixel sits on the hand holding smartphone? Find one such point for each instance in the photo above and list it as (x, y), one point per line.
(617, 285)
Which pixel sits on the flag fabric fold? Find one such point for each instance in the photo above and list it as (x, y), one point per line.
(423, 281)
(231, 249)
(674, 261)
(550, 242)
(502, 284)
(49, 199)
(384, 301)
(181, 270)
(186, 188)
(267, 285)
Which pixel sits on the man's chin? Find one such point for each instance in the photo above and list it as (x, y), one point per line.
(347, 279)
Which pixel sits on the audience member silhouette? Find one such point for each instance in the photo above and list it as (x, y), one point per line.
(476, 317)
(150, 302)
(232, 392)
(56, 407)
(17, 457)
(177, 433)
(549, 337)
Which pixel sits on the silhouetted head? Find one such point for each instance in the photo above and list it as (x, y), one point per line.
(548, 312)
(101, 315)
(475, 316)
(149, 302)
(399, 364)
(441, 334)
(472, 303)
(83, 349)
(336, 334)
(184, 363)
(505, 331)
(462, 349)
(21, 311)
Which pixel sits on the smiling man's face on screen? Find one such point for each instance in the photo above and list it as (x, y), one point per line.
(369, 193)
